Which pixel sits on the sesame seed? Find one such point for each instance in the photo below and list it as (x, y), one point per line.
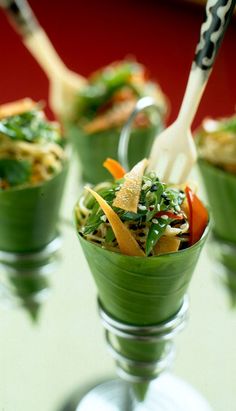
(142, 207)
(146, 185)
(154, 221)
(103, 218)
(152, 174)
(164, 217)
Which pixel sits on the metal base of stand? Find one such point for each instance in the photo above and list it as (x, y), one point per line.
(167, 393)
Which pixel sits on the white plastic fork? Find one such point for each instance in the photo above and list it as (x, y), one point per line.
(64, 84)
(173, 153)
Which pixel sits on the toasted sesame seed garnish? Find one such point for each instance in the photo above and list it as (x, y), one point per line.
(142, 207)
(152, 174)
(103, 218)
(146, 185)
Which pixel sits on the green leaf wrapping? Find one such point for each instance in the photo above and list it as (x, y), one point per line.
(29, 216)
(221, 191)
(15, 171)
(93, 149)
(141, 291)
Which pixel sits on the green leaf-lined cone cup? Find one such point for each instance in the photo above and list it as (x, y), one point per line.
(29, 216)
(93, 149)
(221, 191)
(141, 291)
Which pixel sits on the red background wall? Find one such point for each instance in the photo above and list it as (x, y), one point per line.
(89, 34)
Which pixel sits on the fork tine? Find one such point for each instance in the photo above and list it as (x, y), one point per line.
(185, 172)
(155, 166)
(169, 167)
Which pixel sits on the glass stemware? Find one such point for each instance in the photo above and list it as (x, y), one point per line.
(24, 277)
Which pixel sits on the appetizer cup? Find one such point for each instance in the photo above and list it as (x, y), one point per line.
(101, 111)
(93, 149)
(221, 191)
(33, 168)
(160, 284)
(29, 242)
(29, 216)
(142, 281)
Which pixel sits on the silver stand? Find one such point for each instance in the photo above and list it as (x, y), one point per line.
(24, 277)
(165, 392)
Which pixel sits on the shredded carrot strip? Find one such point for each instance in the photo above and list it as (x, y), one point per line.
(127, 243)
(114, 167)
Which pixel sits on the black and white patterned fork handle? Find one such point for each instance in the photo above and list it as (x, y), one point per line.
(21, 16)
(218, 14)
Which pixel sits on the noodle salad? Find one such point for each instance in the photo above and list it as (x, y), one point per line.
(216, 140)
(111, 95)
(31, 147)
(159, 218)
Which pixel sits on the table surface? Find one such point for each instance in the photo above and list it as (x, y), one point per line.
(43, 364)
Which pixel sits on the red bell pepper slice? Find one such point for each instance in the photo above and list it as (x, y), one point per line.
(169, 214)
(198, 216)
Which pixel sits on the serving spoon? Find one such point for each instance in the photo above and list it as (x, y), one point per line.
(173, 152)
(64, 84)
